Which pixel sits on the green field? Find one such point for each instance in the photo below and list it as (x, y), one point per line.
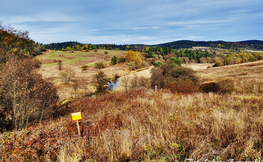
(71, 58)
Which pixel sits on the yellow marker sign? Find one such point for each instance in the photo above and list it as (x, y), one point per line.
(76, 116)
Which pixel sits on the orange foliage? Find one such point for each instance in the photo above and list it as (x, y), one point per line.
(134, 56)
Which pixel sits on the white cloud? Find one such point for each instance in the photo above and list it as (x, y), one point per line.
(193, 22)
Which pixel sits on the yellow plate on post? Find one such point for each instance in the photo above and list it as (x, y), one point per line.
(76, 116)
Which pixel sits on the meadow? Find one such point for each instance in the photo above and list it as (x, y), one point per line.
(144, 125)
(73, 62)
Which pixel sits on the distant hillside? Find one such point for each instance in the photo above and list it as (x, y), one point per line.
(249, 44)
(62, 45)
(70, 44)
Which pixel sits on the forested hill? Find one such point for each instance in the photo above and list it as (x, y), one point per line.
(63, 45)
(249, 44)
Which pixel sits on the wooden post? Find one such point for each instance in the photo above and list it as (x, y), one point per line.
(77, 122)
(77, 116)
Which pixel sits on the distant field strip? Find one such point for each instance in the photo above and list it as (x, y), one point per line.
(66, 58)
(93, 63)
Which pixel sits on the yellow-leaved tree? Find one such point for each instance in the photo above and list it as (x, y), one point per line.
(134, 56)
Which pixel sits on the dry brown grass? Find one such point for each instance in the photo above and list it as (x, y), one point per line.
(248, 77)
(142, 125)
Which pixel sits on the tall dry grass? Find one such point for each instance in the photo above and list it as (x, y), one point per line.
(142, 125)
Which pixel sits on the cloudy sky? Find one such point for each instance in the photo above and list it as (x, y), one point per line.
(135, 21)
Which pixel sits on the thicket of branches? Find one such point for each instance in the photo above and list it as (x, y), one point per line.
(24, 96)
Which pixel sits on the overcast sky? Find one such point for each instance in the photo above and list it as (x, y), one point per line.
(135, 21)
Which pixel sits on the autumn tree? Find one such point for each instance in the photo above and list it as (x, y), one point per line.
(134, 56)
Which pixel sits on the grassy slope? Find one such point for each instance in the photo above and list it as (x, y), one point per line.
(142, 125)
(74, 57)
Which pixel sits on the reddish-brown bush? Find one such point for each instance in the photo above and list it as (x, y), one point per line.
(209, 87)
(221, 86)
(226, 86)
(180, 86)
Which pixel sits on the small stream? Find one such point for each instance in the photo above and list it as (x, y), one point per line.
(113, 84)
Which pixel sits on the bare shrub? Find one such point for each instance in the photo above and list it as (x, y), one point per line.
(25, 98)
(99, 65)
(135, 82)
(67, 75)
(126, 79)
(157, 78)
(83, 83)
(139, 82)
(59, 64)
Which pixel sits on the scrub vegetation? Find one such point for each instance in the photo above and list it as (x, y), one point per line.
(209, 113)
